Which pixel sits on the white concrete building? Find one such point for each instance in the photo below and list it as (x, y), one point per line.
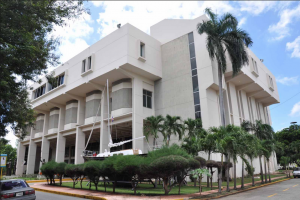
(166, 72)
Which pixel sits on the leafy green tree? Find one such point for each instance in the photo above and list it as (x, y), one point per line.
(172, 126)
(92, 169)
(166, 167)
(288, 143)
(252, 151)
(26, 52)
(198, 174)
(269, 147)
(153, 126)
(224, 36)
(74, 172)
(49, 170)
(285, 161)
(60, 170)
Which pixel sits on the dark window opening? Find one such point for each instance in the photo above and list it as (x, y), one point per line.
(147, 99)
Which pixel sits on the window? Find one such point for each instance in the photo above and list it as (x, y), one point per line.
(254, 67)
(59, 80)
(39, 91)
(89, 62)
(270, 82)
(147, 99)
(194, 76)
(142, 49)
(83, 66)
(72, 151)
(67, 153)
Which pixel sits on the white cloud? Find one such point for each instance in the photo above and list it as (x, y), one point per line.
(281, 29)
(242, 21)
(288, 80)
(295, 47)
(295, 110)
(11, 137)
(145, 14)
(256, 7)
(72, 36)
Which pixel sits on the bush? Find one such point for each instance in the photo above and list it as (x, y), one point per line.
(92, 169)
(49, 170)
(60, 170)
(201, 161)
(167, 166)
(75, 172)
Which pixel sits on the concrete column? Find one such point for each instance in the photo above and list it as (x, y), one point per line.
(20, 159)
(45, 142)
(31, 157)
(104, 136)
(79, 146)
(137, 113)
(61, 140)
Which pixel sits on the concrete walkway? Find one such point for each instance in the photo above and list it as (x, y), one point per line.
(110, 196)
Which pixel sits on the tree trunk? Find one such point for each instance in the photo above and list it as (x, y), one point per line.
(269, 172)
(227, 169)
(234, 168)
(96, 185)
(104, 185)
(253, 184)
(220, 175)
(266, 175)
(211, 177)
(242, 181)
(200, 181)
(208, 169)
(90, 185)
(222, 111)
(114, 187)
(195, 182)
(154, 143)
(155, 184)
(261, 171)
(166, 181)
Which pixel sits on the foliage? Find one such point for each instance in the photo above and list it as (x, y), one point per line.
(168, 166)
(198, 174)
(26, 52)
(201, 161)
(153, 125)
(288, 143)
(172, 126)
(75, 172)
(92, 170)
(60, 170)
(224, 37)
(49, 170)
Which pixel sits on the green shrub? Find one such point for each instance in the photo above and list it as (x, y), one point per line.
(60, 170)
(92, 170)
(75, 172)
(49, 170)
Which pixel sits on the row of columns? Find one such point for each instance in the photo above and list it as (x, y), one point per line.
(137, 128)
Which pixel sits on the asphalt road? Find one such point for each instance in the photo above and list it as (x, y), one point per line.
(50, 196)
(285, 190)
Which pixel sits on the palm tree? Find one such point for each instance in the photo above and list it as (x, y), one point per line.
(252, 151)
(208, 144)
(153, 126)
(262, 132)
(223, 35)
(222, 139)
(172, 126)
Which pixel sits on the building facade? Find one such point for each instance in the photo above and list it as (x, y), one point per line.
(166, 72)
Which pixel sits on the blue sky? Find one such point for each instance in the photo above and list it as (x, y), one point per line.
(273, 26)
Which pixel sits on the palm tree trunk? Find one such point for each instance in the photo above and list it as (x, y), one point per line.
(154, 143)
(222, 111)
(266, 175)
(211, 177)
(242, 181)
(220, 175)
(227, 169)
(208, 169)
(234, 175)
(261, 171)
(200, 180)
(269, 171)
(253, 184)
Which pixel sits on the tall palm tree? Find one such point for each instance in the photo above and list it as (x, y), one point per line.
(223, 35)
(268, 149)
(153, 125)
(172, 126)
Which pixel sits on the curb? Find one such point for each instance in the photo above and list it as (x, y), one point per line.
(69, 194)
(245, 190)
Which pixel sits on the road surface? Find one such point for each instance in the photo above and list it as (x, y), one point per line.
(285, 190)
(50, 196)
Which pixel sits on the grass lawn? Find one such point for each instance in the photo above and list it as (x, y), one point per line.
(238, 180)
(146, 189)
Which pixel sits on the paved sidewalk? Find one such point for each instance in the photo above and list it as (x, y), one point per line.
(110, 196)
